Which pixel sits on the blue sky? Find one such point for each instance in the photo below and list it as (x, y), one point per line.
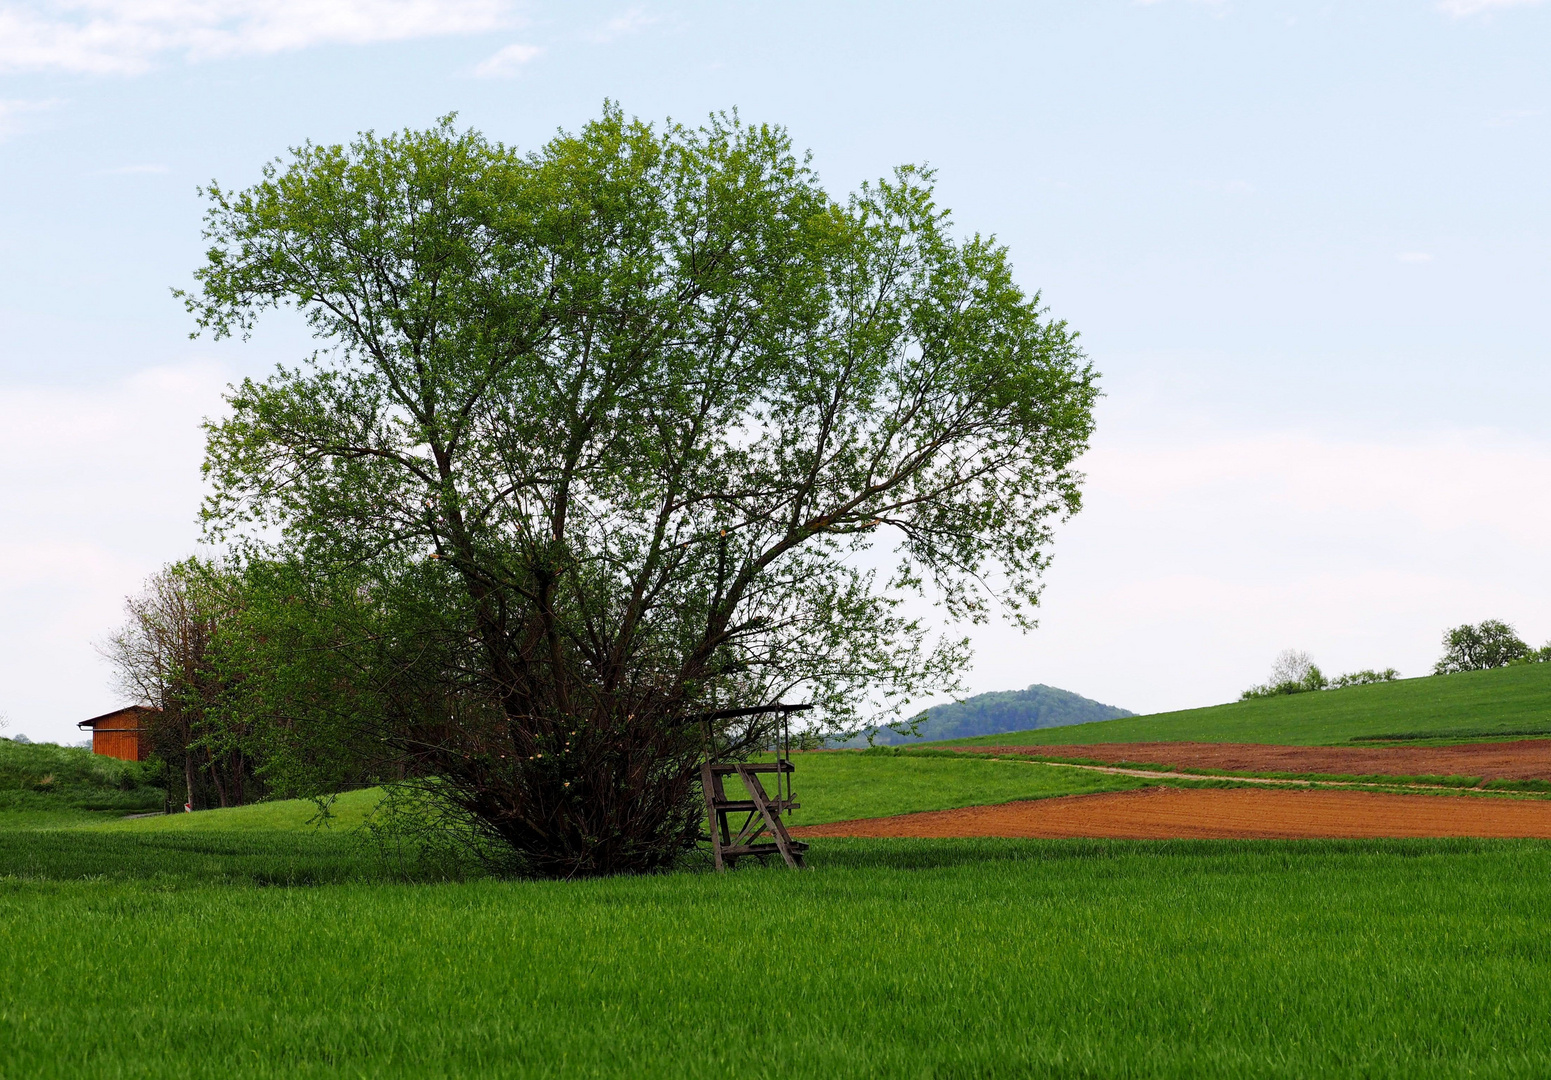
(1308, 245)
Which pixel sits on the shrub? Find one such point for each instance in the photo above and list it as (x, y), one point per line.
(1534, 656)
(1293, 672)
(1364, 677)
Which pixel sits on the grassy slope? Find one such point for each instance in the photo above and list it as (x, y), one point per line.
(894, 958)
(831, 786)
(41, 778)
(273, 843)
(1507, 700)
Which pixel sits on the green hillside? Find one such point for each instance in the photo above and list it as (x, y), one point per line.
(45, 778)
(1003, 710)
(1504, 701)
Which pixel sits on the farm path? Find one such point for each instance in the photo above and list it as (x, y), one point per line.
(1154, 774)
(1222, 813)
(1523, 759)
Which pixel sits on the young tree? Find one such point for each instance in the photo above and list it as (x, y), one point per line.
(1292, 672)
(614, 435)
(168, 655)
(1473, 648)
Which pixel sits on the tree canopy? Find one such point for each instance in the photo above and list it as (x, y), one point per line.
(1493, 643)
(633, 429)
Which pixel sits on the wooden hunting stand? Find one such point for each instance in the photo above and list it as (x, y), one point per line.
(763, 812)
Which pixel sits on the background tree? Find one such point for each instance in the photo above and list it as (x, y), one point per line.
(1491, 644)
(636, 429)
(1292, 672)
(169, 655)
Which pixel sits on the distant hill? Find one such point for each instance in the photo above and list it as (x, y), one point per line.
(1005, 710)
(1503, 702)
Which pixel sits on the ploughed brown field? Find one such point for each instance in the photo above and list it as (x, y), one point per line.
(1233, 813)
(1527, 759)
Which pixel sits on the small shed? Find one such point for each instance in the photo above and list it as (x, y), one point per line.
(122, 733)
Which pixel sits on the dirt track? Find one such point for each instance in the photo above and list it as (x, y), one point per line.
(1528, 759)
(1173, 813)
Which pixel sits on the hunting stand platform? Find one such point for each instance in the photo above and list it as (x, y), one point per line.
(764, 812)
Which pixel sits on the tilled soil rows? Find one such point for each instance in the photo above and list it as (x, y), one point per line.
(1528, 759)
(1232, 813)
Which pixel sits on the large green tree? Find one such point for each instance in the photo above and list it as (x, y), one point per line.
(643, 426)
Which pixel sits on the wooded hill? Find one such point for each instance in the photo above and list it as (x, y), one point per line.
(1000, 711)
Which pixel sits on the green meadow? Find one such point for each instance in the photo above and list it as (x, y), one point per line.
(286, 842)
(1498, 703)
(890, 958)
(250, 943)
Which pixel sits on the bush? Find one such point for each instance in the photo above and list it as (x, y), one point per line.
(1291, 673)
(1364, 678)
(1294, 673)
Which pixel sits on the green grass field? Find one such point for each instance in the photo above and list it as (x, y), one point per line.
(892, 958)
(245, 943)
(1475, 704)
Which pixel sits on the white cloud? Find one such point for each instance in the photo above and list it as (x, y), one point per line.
(1218, 7)
(1200, 554)
(1464, 8)
(1510, 117)
(1414, 257)
(14, 114)
(108, 37)
(507, 62)
(628, 22)
(101, 487)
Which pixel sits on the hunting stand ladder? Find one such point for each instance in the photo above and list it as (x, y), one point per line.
(763, 811)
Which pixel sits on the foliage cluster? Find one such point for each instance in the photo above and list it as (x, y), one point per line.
(1293, 672)
(598, 450)
(175, 653)
(1365, 677)
(1491, 644)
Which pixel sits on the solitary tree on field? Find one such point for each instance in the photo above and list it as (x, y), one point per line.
(643, 426)
(1491, 644)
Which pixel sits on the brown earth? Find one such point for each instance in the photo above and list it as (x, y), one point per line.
(1527, 759)
(1232, 813)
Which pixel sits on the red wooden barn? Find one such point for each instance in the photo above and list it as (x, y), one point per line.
(121, 733)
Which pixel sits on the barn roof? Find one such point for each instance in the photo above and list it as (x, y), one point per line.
(94, 721)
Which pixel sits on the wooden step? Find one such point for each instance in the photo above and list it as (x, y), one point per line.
(754, 767)
(777, 805)
(798, 847)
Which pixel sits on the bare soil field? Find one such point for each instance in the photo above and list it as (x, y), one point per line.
(1526, 759)
(1231, 813)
